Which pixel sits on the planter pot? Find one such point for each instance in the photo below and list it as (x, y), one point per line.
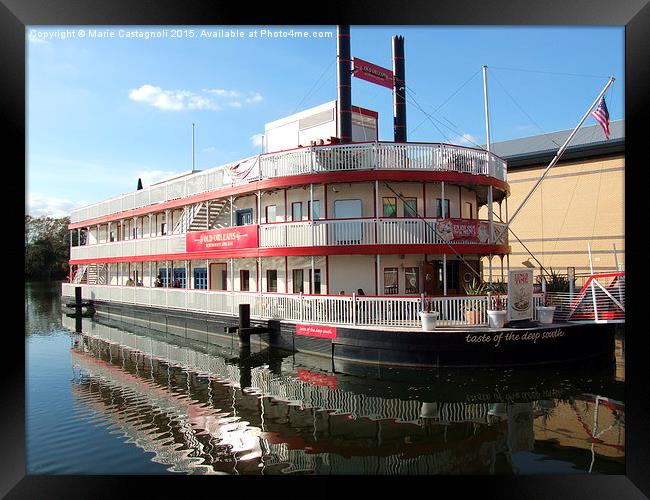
(428, 320)
(545, 314)
(497, 318)
(472, 317)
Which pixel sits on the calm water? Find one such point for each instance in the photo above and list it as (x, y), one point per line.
(119, 400)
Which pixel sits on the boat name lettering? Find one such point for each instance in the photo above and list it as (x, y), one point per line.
(498, 339)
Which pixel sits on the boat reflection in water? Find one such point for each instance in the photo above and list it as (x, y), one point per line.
(204, 409)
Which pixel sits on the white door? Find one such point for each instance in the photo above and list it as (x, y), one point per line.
(348, 232)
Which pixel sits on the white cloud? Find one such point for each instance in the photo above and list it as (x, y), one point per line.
(151, 176)
(171, 100)
(255, 97)
(236, 98)
(224, 93)
(39, 205)
(181, 100)
(257, 140)
(466, 139)
(209, 149)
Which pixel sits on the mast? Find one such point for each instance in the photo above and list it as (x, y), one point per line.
(344, 77)
(490, 194)
(561, 151)
(399, 90)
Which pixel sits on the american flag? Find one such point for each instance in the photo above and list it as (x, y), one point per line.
(602, 116)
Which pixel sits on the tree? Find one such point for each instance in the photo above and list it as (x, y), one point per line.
(47, 247)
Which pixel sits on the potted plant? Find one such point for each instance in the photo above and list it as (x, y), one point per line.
(555, 283)
(472, 313)
(496, 313)
(545, 312)
(428, 316)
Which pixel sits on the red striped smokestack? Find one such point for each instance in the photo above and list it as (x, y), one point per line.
(399, 90)
(344, 77)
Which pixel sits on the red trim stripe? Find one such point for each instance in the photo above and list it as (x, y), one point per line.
(305, 179)
(466, 248)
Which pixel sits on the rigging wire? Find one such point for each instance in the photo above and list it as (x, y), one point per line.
(522, 244)
(549, 72)
(446, 100)
(454, 130)
(314, 85)
(433, 227)
(524, 111)
(414, 102)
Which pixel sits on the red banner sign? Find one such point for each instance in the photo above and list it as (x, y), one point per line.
(222, 239)
(461, 230)
(372, 73)
(321, 332)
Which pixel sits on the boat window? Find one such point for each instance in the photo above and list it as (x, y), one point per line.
(469, 210)
(410, 207)
(244, 280)
(316, 209)
(271, 280)
(244, 217)
(315, 289)
(164, 274)
(390, 281)
(201, 278)
(179, 278)
(298, 281)
(270, 213)
(439, 213)
(411, 284)
(163, 229)
(296, 211)
(390, 206)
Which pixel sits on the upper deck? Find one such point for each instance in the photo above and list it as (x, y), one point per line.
(367, 156)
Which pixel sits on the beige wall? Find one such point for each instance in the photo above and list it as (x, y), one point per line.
(577, 203)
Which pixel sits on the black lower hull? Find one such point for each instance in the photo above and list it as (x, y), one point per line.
(353, 346)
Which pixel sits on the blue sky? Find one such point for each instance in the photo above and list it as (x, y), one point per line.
(104, 111)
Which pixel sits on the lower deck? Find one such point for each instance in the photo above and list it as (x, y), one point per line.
(388, 346)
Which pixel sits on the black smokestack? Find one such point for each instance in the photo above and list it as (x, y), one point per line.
(399, 90)
(344, 74)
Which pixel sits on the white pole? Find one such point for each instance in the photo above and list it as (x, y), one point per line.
(560, 152)
(444, 274)
(615, 257)
(192, 148)
(593, 289)
(490, 196)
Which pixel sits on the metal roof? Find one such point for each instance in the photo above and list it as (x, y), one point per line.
(589, 140)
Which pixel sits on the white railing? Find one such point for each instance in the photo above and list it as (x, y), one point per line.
(384, 311)
(363, 156)
(602, 298)
(158, 245)
(318, 233)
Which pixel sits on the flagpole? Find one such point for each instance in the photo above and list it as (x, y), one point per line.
(560, 152)
(490, 194)
(192, 148)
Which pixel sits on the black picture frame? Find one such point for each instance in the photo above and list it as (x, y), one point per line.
(15, 15)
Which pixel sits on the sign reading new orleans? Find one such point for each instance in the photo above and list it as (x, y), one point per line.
(222, 239)
(372, 73)
(520, 294)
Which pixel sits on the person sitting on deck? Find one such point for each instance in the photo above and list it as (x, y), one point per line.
(360, 291)
(176, 283)
(130, 282)
(342, 292)
(158, 283)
